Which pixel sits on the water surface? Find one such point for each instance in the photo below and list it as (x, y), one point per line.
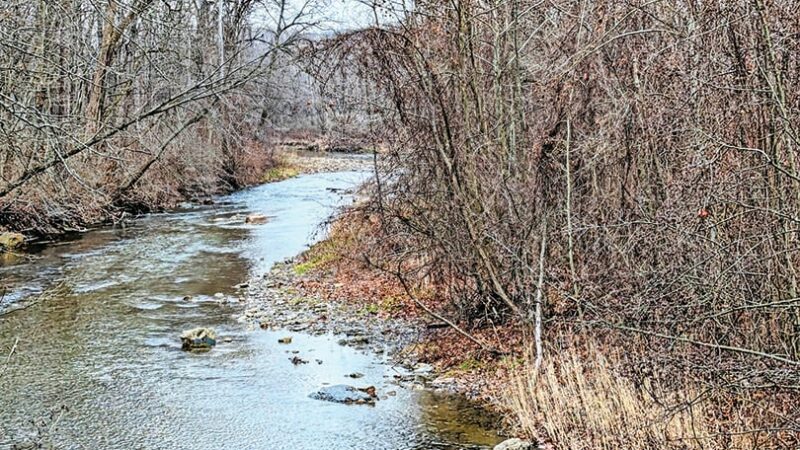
(98, 364)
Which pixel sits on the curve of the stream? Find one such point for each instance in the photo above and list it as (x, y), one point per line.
(98, 366)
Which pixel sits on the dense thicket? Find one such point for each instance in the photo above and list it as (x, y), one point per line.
(626, 166)
(133, 104)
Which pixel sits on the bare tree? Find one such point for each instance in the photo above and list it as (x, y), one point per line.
(132, 104)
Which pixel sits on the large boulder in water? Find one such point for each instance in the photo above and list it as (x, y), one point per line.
(198, 339)
(10, 241)
(342, 393)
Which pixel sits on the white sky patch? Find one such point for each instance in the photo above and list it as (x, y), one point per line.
(329, 15)
(349, 14)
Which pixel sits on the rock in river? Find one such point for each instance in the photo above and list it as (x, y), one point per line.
(255, 219)
(514, 444)
(10, 241)
(198, 339)
(342, 393)
(355, 341)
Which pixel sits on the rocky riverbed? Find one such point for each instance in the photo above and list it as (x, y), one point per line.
(275, 302)
(323, 162)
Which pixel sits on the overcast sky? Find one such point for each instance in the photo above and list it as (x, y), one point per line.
(332, 15)
(341, 15)
(348, 14)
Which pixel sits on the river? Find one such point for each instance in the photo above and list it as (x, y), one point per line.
(98, 363)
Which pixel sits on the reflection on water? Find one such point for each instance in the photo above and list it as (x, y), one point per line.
(104, 346)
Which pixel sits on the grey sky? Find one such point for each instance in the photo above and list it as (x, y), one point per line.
(348, 14)
(338, 15)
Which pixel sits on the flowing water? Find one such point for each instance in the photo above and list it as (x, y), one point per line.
(97, 363)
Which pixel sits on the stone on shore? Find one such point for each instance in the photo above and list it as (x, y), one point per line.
(198, 339)
(296, 360)
(355, 341)
(424, 370)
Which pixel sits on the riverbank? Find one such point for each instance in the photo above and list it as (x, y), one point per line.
(334, 288)
(43, 216)
(304, 294)
(591, 379)
(277, 164)
(323, 291)
(299, 298)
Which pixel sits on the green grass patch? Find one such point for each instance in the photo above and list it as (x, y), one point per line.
(300, 300)
(303, 268)
(280, 173)
(320, 254)
(372, 308)
(471, 364)
(512, 363)
(391, 303)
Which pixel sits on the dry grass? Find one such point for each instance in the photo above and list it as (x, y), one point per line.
(581, 403)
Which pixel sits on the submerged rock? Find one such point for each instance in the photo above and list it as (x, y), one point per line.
(11, 241)
(198, 339)
(355, 341)
(342, 393)
(514, 444)
(255, 219)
